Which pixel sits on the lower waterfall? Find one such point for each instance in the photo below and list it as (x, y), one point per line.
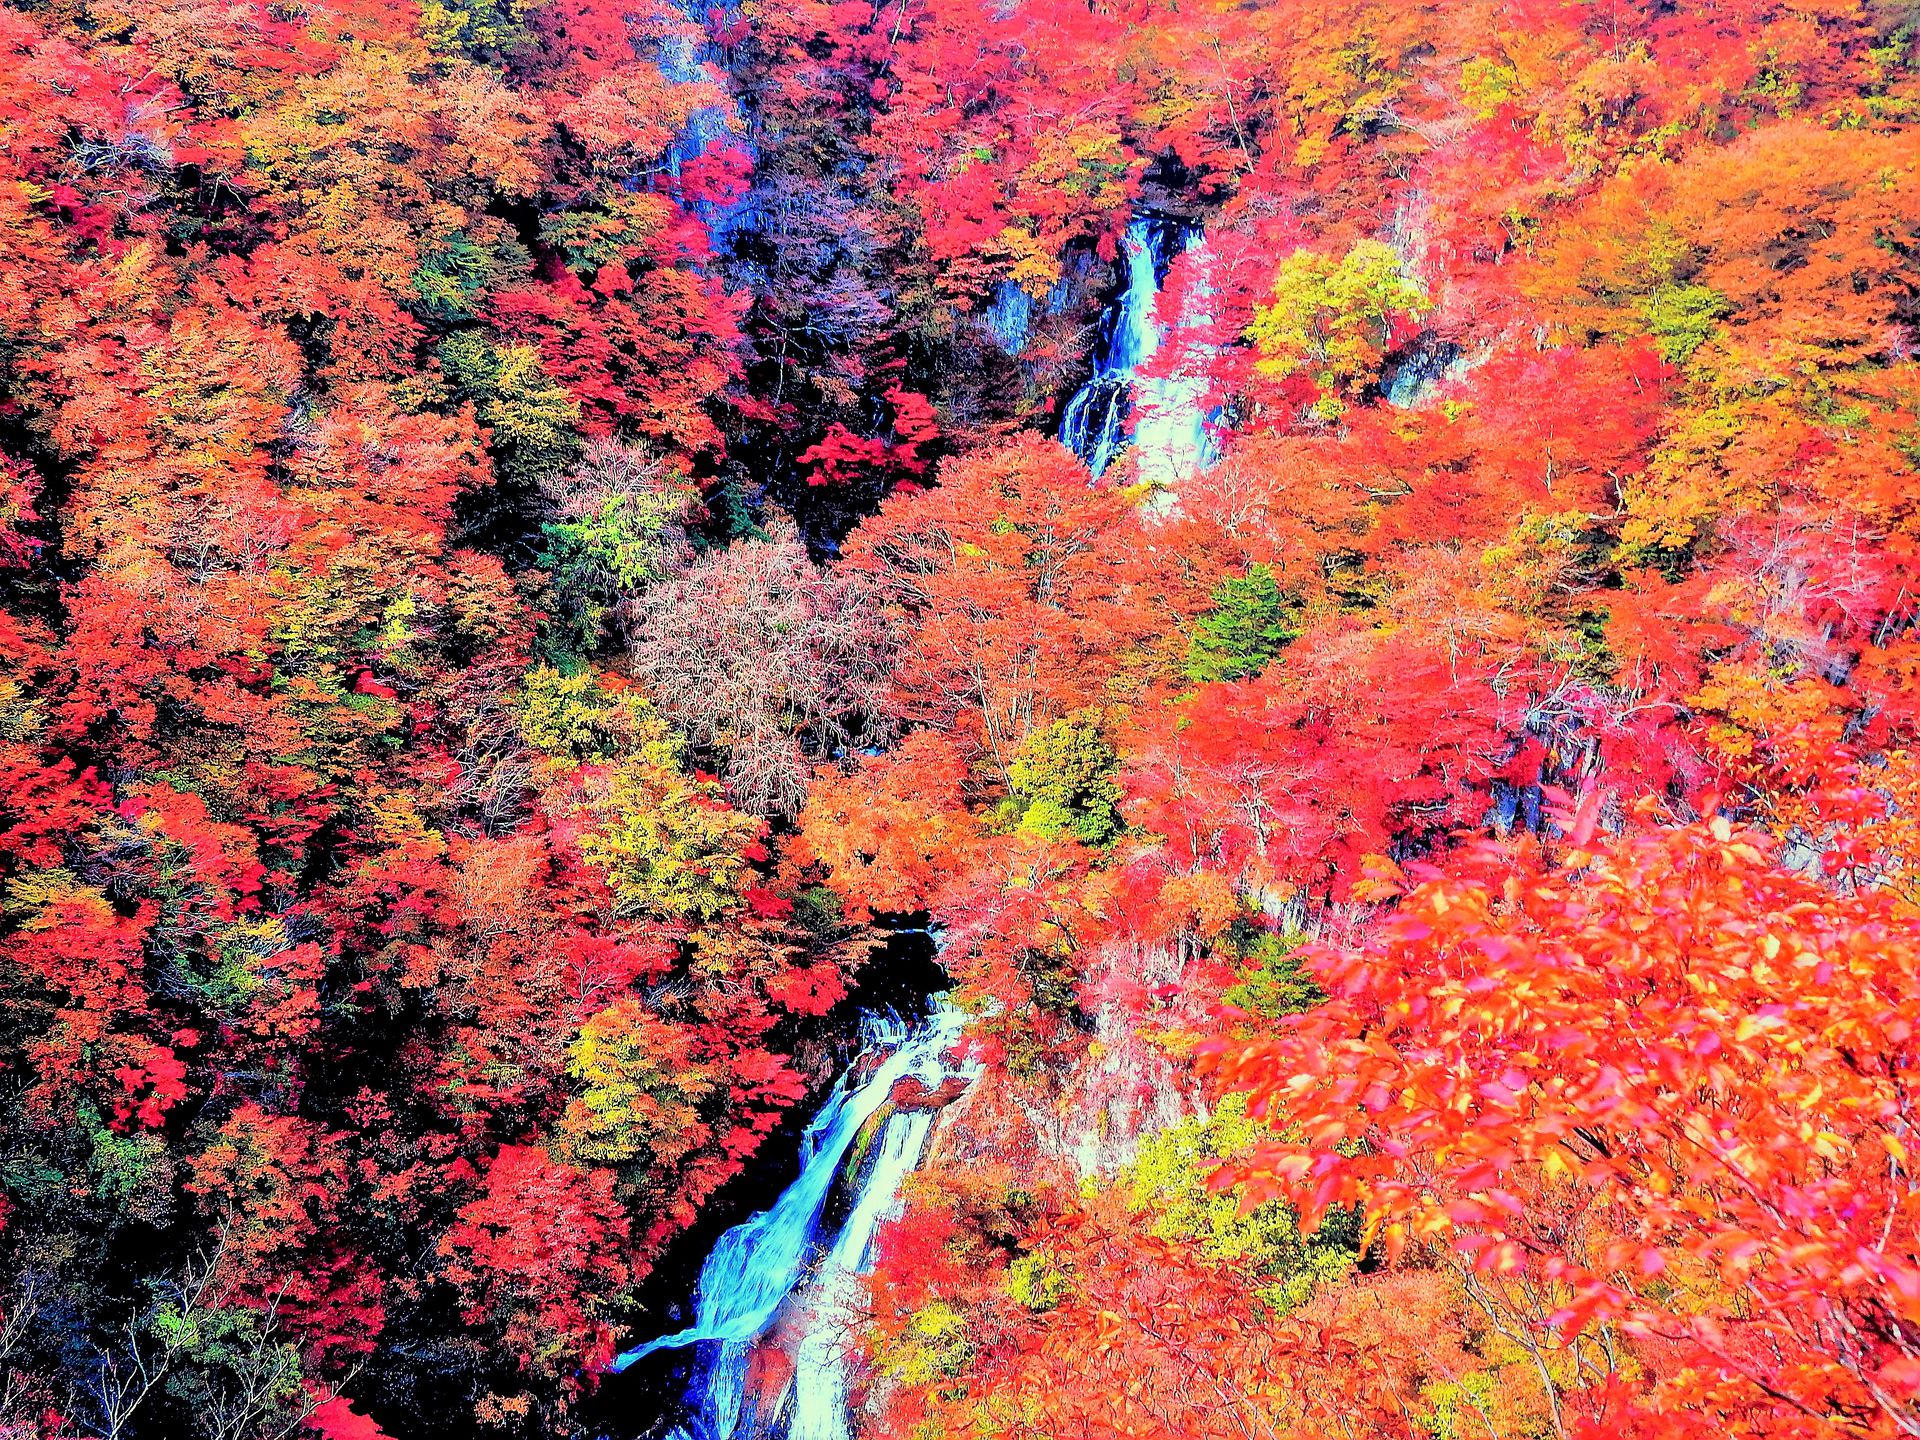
(777, 1292)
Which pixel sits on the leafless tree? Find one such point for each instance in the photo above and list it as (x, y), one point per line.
(23, 1397)
(238, 1372)
(757, 652)
(126, 1375)
(495, 763)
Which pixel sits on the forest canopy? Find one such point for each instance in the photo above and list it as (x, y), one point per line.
(536, 544)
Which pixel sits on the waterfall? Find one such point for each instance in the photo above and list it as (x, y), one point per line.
(1095, 421)
(1169, 427)
(820, 1366)
(1170, 434)
(755, 1267)
(683, 60)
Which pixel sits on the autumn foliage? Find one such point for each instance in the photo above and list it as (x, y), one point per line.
(531, 539)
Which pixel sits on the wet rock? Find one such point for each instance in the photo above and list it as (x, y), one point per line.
(910, 1093)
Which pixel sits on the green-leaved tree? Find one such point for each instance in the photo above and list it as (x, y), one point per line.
(1250, 623)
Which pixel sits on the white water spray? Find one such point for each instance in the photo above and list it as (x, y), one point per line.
(820, 1366)
(1168, 426)
(755, 1267)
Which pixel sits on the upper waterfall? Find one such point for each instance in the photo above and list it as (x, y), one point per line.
(1160, 417)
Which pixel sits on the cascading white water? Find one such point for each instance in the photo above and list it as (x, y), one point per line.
(1170, 434)
(755, 1267)
(1169, 426)
(819, 1409)
(1094, 424)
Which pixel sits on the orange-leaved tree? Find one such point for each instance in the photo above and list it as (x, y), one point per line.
(1653, 1101)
